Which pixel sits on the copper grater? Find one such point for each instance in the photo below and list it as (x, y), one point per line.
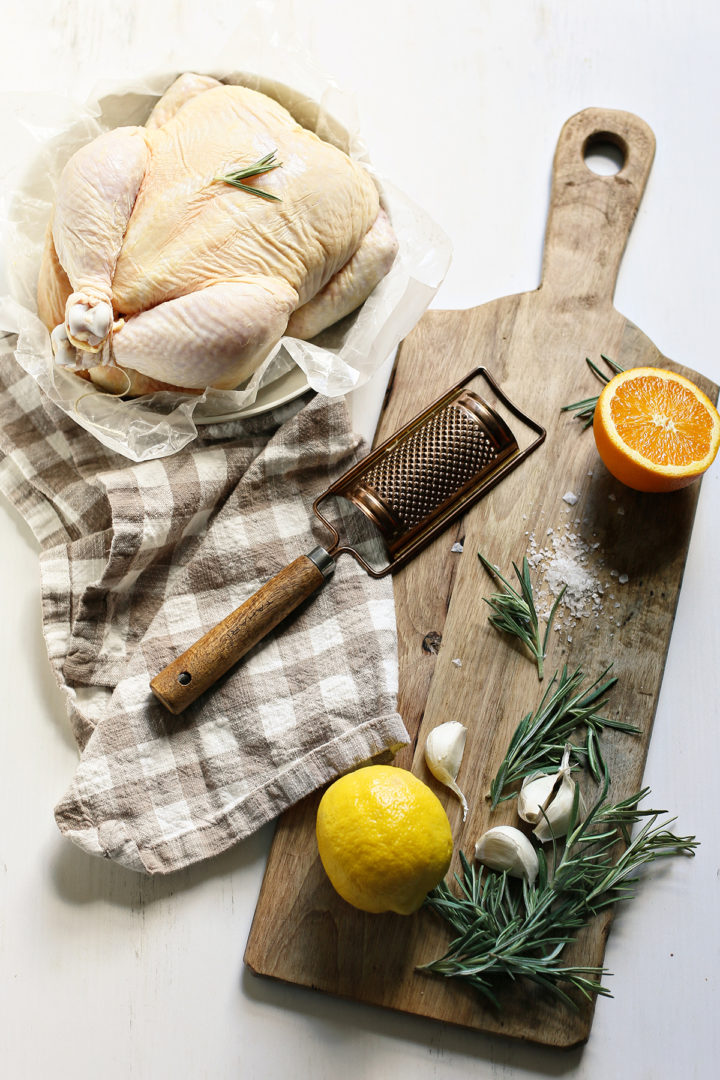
(409, 490)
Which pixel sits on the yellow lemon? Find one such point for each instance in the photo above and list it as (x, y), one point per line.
(384, 839)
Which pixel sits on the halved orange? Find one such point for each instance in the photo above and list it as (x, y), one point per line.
(655, 430)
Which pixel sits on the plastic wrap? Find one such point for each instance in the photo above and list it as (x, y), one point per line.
(48, 130)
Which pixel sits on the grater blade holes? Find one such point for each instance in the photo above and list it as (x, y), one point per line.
(433, 465)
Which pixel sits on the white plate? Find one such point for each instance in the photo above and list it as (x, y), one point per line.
(288, 386)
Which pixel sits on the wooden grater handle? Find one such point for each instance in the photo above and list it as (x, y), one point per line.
(185, 679)
(590, 215)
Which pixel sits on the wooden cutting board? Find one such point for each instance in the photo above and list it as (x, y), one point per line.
(453, 664)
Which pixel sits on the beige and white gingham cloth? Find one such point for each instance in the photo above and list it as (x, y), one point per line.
(137, 561)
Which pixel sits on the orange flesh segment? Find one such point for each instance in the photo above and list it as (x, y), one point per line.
(662, 420)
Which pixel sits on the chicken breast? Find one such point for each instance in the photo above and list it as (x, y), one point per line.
(158, 274)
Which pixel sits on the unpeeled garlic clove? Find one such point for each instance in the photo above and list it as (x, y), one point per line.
(546, 801)
(534, 793)
(506, 848)
(444, 749)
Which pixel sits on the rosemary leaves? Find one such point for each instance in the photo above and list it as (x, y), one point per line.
(237, 176)
(503, 929)
(585, 409)
(514, 612)
(539, 739)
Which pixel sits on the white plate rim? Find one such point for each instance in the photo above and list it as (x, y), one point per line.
(288, 386)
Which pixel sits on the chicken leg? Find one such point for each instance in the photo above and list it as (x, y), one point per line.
(213, 337)
(352, 284)
(95, 198)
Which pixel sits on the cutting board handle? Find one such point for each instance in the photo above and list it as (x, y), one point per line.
(590, 215)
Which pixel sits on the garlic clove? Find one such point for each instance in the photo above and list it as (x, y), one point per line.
(533, 795)
(546, 801)
(506, 848)
(556, 819)
(444, 749)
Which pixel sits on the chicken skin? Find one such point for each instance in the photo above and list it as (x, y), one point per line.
(156, 274)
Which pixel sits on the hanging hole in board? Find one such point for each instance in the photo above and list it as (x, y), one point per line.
(605, 154)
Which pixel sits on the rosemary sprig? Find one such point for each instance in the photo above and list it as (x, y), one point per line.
(538, 740)
(585, 409)
(236, 177)
(515, 613)
(504, 929)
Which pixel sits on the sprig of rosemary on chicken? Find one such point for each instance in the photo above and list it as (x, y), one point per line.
(236, 177)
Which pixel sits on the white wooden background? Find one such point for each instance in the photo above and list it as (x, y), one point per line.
(103, 973)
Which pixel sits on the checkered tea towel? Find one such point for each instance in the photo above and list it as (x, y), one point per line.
(137, 561)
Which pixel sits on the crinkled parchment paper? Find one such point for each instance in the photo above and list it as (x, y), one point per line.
(340, 359)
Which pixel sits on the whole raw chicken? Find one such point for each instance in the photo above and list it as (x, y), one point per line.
(158, 275)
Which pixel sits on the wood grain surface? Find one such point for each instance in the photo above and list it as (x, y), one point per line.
(453, 665)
